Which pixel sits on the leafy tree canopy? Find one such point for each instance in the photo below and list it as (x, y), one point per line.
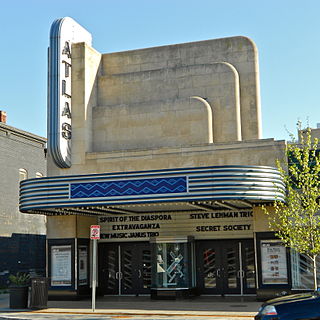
(297, 220)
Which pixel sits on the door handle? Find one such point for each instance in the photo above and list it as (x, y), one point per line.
(119, 275)
(218, 273)
(240, 274)
(139, 273)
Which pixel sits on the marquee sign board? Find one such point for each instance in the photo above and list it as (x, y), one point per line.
(201, 225)
(64, 32)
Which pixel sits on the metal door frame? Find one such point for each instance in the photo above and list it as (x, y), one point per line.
(119, 273)
(224, 263)
(119, 247)
(239, 244)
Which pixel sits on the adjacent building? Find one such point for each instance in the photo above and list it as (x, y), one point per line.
(22, 236)
(162, 148)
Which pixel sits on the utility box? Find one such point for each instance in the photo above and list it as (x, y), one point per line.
(39, 293)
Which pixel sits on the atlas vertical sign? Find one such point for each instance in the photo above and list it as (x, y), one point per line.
(64, 32)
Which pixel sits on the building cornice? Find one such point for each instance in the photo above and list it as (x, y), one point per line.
(22, 133)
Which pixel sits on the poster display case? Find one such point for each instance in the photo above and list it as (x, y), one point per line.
(61, 266)
(83, 265)
(273, 262)
(68, 268)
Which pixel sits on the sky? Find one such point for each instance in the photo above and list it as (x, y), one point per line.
(286, 33)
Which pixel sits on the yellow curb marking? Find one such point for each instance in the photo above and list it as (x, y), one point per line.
(128, 315)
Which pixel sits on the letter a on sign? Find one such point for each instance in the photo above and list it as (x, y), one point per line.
(95, 232)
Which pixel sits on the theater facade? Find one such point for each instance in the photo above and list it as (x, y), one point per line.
(162, 148)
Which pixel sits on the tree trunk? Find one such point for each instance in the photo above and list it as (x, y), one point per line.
(315, 284)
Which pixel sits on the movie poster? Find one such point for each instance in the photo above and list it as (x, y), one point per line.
(274, 262)
(83, 265)
(61, 265)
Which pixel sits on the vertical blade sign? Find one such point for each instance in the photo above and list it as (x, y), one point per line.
(64, 32)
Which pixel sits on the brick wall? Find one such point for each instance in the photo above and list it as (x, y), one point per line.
(22, 236)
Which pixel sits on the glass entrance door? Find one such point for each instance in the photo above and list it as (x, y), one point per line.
(124, 268)
(248, 267)
(225, 267)
(108, 268)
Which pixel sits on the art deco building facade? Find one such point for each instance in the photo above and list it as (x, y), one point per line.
(162, 148)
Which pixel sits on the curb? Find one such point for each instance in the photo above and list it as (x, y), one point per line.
(128, 314)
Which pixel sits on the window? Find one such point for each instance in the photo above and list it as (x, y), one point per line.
(301, 269)
(23, 174)
(39, 175)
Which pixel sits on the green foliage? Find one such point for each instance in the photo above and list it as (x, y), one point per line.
(297, 221)
(20, 279)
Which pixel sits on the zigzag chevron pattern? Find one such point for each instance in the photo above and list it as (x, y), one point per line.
(128, 187)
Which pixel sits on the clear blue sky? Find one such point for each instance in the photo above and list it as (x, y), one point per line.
(286, 32)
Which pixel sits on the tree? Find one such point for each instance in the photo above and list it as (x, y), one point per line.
(297, 220)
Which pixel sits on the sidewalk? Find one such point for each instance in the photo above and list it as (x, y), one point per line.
(144, 307)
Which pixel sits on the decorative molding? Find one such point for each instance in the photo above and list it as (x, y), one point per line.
(128, 187)
(208, 186)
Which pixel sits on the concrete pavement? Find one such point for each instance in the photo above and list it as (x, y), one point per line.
(125, 307)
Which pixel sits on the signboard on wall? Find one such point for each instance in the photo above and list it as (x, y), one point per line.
(274, 262)
(204, 225)
(61, 266)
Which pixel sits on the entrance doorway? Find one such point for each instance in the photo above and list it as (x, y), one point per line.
(225, 267)
(124, 268)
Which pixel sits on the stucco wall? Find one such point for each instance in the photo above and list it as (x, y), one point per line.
(156, 108)
(132, 110)
(260, 152)
(143, 96)
(140, 73)
(70, 226)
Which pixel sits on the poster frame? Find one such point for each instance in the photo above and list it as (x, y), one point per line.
(276, 260)
(269, 235)
(61, 242)
(83, 281)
